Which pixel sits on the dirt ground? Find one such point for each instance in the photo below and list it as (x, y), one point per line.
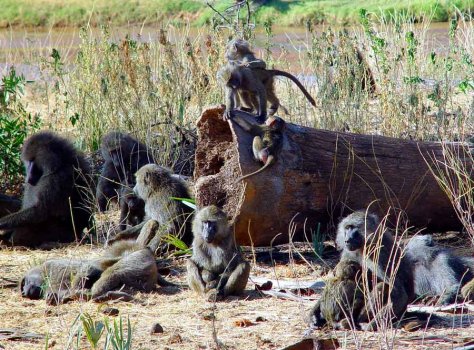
(253, 321)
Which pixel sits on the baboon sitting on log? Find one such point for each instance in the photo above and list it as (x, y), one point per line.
(342, 299)
(361, 240)
(437, 271)
(216, 266)
(54, 206)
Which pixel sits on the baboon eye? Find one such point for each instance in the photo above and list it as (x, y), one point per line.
(349, 227)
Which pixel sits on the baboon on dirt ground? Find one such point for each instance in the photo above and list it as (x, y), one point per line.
(342, 299)
(132, 208)
(216, 266)
(125, 267)
(123, 156)
(160, 189)
(361, 240)
(438, 271)
(55, 204)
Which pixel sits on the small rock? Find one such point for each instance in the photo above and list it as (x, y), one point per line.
(110, 311)
(156, 329)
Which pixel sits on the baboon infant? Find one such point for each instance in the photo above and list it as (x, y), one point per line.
(54, 206)
(216, 266)
(124, 265)
(250, 89)
(438, 271)
(361, 240)
(342, 299)
(267, 142)
(132, 208)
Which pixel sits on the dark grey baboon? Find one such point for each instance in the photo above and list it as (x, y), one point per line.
(362, 241)
(437, 270)
(342, 300)
(123, 156)
(216, 266)
(54, 206)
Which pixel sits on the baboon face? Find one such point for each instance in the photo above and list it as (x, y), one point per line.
(353, 229)
(236, 46)
(117, 146)
(150, 178)
(275, 123)
(210, 223)
(30, 285)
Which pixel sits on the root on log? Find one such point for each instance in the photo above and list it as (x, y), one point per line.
(318, 177)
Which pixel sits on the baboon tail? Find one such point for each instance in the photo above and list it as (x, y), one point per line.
(296, 81)
(270, 160)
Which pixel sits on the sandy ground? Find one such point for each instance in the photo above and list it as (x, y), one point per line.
(187, 319)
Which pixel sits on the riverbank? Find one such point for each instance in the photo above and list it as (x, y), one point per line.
(67, 13)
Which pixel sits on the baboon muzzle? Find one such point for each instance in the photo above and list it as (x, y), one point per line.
(209, 230)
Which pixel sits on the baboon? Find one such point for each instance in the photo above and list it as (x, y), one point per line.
(238, 52)
(267, 142)
(438, 271)
(132, 208)
(216, 266)
(342, 299)
(8, 205)
(250, 89)
(157, 186)
(58, 279)
(125, 264)
(362, 241)
(123, 156)
(54, 206)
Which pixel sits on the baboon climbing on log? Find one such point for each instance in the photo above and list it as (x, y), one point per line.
(252, 88)
(157, 186)
(54, 206)
(216, 266)
(438, 271)
(123, 156)
(267, 142)
(238, 52)
(342, 300)
(362, 241)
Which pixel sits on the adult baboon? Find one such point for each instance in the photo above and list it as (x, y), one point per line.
(238, 52)
(267, 142)
(216, 266)
(252, 88)
(438, 271)
(361, 240)
(54, 206)
(132, 208)
(123, 156)
(125, 266)
(157, 186)
(342, 299)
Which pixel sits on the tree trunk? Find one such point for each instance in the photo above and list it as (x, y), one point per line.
(318, 177)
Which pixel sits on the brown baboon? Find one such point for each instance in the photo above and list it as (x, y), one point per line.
(216, 266)
(58, 279)
(342, 300)
(438, 271)
(361, 240)
(267, 141)
(8, 205)
(123, 156)
(132, 208)
(252, 88)
(238, 52)
(54, 206)
(125, 264)
(157, 186)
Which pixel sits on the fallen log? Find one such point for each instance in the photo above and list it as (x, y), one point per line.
(319, 176)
